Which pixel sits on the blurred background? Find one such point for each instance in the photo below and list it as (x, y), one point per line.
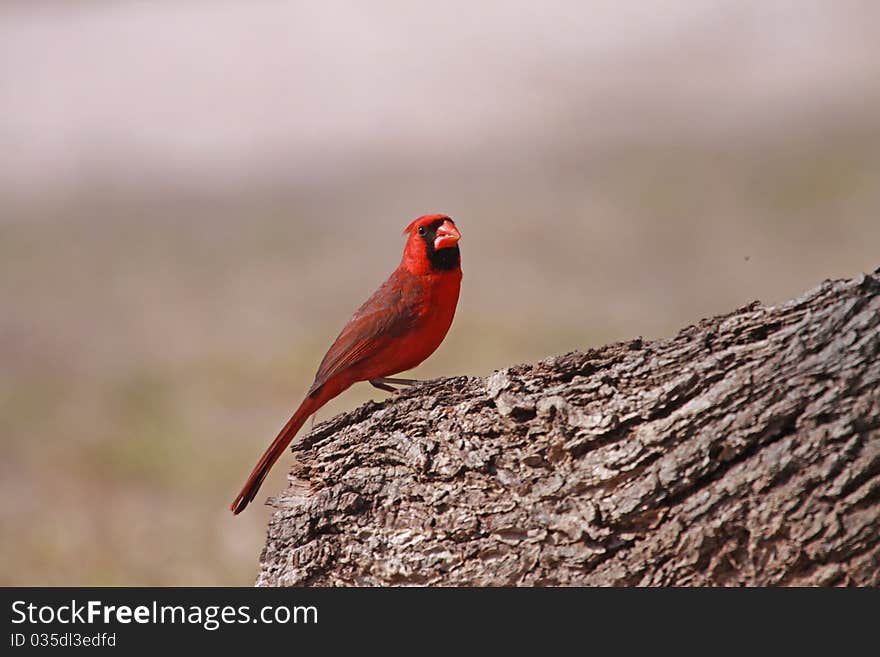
(195, 196)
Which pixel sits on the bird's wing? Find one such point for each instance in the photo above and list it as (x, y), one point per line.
(390, 312)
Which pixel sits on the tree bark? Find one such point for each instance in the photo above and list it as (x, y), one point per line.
(743, 451)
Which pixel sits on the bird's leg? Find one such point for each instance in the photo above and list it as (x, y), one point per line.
(386, 383)
(399, 382)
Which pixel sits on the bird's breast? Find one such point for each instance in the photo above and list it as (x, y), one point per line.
(437, 298)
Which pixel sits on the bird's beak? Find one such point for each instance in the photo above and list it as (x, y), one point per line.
(447, 235)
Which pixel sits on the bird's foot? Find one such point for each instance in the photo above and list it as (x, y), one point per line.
(387, 383)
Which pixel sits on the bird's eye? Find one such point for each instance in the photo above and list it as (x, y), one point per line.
(421, 230)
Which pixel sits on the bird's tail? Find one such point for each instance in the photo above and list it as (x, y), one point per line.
(309, 405)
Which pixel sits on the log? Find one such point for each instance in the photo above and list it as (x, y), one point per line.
(743, 451)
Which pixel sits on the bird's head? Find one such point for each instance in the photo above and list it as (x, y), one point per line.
(431, 245)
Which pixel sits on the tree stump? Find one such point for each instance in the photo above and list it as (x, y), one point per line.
(743, 451)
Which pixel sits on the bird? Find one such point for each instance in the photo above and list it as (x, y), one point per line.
(398, 327)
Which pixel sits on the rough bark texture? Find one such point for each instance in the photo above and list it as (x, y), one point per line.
(744, 450)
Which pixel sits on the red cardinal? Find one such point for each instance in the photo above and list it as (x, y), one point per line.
(397, 328)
